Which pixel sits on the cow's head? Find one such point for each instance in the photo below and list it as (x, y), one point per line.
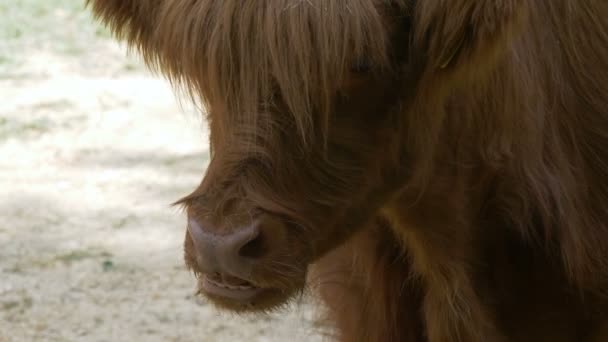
(319, 112)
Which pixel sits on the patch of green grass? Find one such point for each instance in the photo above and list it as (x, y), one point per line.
(9, 305)
(35, 17)
(75, 256)
(107, 265)
(123, 222)
(162, 317)
(80, 255)
(40, 120)
(39, 126)
(129, 66)
(59, 26)
(24, 304)
(103, 32)
(5, 59)
(22, 129)
(98, 320)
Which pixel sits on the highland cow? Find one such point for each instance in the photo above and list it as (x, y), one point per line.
(433, 170)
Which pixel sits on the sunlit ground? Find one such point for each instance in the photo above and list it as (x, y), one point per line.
(93, 149)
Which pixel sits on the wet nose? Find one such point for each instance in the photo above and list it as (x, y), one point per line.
(237, 252)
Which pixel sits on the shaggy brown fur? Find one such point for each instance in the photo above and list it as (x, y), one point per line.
(441, 165)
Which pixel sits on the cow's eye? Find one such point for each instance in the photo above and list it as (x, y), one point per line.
(361, 67)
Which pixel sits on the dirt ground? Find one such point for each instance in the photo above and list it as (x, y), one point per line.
(93, 149)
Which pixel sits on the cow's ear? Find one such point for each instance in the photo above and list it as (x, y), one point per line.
(454, 35)
(132, 20)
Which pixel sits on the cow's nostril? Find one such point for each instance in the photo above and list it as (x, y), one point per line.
(238, 252)
(254, 249)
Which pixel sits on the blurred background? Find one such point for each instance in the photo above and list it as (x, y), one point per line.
(93, 149)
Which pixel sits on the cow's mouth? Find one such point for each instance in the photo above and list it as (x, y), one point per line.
(235, 293)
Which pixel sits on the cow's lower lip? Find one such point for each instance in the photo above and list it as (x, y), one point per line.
(238, 293)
